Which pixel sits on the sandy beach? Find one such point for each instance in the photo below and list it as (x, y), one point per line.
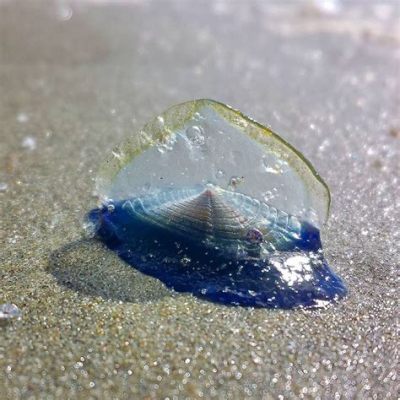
(76, 78)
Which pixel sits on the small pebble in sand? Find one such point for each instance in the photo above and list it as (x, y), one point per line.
(395, 132)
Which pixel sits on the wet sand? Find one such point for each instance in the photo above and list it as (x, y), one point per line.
(77, 78)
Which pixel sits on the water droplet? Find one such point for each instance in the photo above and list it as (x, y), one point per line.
(117, 155)
(235, 181)
(22, 117)
(144, 138)
(197, 116)
(269, 195)
(64, 12)
(220, 174)
(327, 7)
(9, 311)
(29, 143)
(89, 229)
(160, 119)
(272, 170)
(275, 166)
(195, 134)
(163, 148)
(185, 261)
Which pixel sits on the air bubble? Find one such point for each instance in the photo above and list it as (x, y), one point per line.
(268, 196)
(195, 134)
(220, 174)
(235, 181)
(274, 167)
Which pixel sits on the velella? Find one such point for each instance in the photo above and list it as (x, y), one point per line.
(214, 204)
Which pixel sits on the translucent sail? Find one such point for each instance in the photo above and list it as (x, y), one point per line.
(203, 141)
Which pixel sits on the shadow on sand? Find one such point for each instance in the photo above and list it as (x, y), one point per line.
(89, 268)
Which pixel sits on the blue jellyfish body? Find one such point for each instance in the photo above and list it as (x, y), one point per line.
(221, 246)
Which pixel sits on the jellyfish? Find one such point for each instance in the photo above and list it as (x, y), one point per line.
(214, 204)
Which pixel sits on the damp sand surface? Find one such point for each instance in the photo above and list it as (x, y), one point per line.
(78, 77)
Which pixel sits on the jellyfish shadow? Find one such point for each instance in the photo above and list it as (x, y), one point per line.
(298, 278)
(86, 266)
